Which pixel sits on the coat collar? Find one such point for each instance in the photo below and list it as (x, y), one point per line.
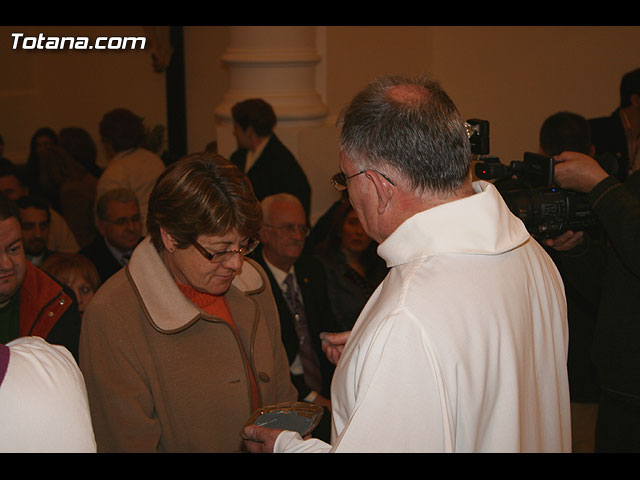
(168, 310)
(480, 224)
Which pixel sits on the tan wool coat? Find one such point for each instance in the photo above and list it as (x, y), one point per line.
(164, 376)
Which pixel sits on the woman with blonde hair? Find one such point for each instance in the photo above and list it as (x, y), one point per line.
(75, 271)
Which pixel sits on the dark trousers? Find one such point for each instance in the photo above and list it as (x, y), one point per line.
(618, 424)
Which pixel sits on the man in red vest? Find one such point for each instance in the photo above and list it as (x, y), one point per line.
(31, 302)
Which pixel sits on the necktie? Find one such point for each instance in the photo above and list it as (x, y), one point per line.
(310, 364)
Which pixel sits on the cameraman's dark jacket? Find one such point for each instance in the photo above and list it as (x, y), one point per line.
(610, 269)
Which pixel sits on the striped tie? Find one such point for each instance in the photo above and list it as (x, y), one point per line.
(310, 364)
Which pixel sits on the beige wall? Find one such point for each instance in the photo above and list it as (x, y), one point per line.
(517, 76)
(73, 87)
(512, 76)
(206, 81)
(356, 55)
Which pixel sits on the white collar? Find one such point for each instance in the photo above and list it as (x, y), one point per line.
(278, 274)
(253, 155)
(480, 224)
(117, 254)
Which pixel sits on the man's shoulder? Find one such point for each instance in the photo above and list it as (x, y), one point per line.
(102, 258)
(35, 361)
(96, 244)
(96, 249)
(310, 263)
(139, 154)
(276, 148)
(258, 257)
(141, 159)
(605, 124)
(239, 154)
(39, 284)
(57, 357)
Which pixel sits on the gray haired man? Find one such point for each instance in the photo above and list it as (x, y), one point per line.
(463, 347)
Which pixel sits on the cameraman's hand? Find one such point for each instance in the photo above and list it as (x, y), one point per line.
(578, 172)
(566, 241)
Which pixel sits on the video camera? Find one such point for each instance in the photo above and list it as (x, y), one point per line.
(528, 189)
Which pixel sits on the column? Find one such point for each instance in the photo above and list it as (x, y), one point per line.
(282, 65)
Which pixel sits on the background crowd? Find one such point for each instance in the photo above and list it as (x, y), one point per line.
(117, 282)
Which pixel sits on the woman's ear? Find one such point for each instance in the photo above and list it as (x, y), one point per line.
(167, 240)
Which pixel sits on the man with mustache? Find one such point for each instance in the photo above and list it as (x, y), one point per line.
(36, 221)
(299, 287)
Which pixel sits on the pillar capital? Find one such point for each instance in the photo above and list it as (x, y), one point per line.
(277, 64)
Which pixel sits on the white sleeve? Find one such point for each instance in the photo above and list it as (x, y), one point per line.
(292, 442)
(401, 403)
(43, 401)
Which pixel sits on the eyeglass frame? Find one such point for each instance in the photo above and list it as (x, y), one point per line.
(122, 221)
(212, 256)
(342, 187)
(290, 228)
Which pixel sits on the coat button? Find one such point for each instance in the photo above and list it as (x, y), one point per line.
(61, 301)
(50, 314)
(264, 377)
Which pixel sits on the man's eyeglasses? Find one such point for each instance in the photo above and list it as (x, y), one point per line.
(339, 180)
(291, 228)
(122, 221)
(224, 255)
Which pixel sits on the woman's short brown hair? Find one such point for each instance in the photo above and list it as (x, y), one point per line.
(202, 194)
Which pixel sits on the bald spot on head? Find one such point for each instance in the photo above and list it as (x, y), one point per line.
(408, 93)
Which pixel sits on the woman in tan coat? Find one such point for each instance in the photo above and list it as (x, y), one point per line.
(179, 347)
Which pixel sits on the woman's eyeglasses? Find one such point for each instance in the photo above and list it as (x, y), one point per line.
(224, 255)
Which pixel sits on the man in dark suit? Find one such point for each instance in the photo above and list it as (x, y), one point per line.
(299, 285)
(619, 133)
(270, 166)
(120, 228)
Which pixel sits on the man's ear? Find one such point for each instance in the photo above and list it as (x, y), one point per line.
(251, 134)
(108, 148)
(167, 240)
(384, 189)
(261, 234)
